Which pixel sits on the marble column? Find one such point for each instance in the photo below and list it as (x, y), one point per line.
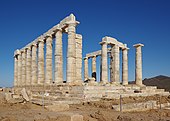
(48, 73)
(78, 58)
(71, 53)
(58, 57)
(41, 77)
(94, 67)
(104, 71)
(23, 54)
(125, 66)
(138, 64)
(19, 74)
(86, 76)
(34, 65)
(15, 70)
(28, 66)
(115, 68)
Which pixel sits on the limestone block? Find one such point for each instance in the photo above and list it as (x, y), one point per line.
(58, 107)
(24, 94)
(8, 96)
(76, 117)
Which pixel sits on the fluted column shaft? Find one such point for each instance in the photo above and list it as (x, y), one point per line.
(115, 67)
(86, 68)
(94, 67)
(125, 66)
(28, 66)
(138, 63)
(34, 65)
(48, 72)
(79, 58)
(58, 57)
(41, 76)
(104, 73)
(71, 53)
(16, 70)
(23, 54)
(19, 70)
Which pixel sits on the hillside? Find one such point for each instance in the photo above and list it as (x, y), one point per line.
(162, 82)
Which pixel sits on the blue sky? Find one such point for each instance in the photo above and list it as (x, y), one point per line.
(130, 21)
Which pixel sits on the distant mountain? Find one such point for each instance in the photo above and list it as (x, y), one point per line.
(162, 82)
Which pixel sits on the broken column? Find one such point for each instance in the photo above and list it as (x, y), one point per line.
(41, 62)
(104, 68)
(78, 58)
(125, 66)
(138, 64)
(58, 57)
(23, 55)
(34, 65)
(86, 68)
(48, 73)
(28, 66)
(94, 67)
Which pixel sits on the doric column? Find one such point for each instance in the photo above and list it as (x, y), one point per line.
(19, 69)
(125, 66)
(34, 65)
(86, 68)
(28, 66)
(138, 64)
(94, 67)
(58, 57)
(71, 52)
(104, 71)
(23, 54)
(15, 69)
(48, 73)
(41, 76)
(78, 58)
(115, 70)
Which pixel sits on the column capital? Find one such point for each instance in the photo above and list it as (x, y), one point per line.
(34, 44)
(102, 43)
(126, 48)
(28, 48)
(17, 52)
(138, 45)
(72, 23)
(86, 58)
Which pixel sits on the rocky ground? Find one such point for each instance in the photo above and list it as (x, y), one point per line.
(90, 111)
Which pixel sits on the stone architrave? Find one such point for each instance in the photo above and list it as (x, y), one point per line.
(41, 76)
(86, 68)
(48, 73)
(15, 70)
(104, 68)
(23, 54)
(138, 64)
(125, 66)
(34, 65)
(19, 74)
(58, 57)
(78, 58)
(28, 66)
(71, 52)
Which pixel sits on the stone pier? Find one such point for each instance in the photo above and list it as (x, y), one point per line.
(23, 77)
(138, 64)
(86, 75)
(94, 67)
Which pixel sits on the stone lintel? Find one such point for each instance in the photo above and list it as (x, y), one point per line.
(85, 58)
(137, 45)
(97, 53)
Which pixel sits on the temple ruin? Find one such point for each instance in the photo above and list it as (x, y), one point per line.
(33, 68)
